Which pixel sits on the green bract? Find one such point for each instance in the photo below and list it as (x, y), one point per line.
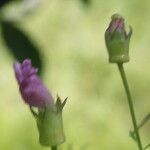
(117, 40)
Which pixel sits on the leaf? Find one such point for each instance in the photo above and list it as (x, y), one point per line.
(4, 2)
(20, 45)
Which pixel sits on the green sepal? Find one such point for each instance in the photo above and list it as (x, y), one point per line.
(59, 104)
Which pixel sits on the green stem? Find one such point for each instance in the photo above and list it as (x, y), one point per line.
(54, 148)
(130, 102)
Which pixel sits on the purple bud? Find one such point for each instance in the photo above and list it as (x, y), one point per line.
(116, 23)
(31, 87)
(118, 40)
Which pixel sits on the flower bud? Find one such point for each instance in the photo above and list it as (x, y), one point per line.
(31, 87)
(117, 40)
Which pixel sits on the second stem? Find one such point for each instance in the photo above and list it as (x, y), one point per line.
(130, 102)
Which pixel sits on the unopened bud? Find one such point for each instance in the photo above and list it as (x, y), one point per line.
(117, 40)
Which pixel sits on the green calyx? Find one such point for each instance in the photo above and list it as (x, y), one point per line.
(50, 124)
(117, 42)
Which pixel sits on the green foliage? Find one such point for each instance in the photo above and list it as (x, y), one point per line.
(20, 45)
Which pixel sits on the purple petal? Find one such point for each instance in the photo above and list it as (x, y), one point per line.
(18, 72)
(35, 93)
(31, 87)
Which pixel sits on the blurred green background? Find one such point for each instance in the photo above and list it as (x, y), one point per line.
(69, 36)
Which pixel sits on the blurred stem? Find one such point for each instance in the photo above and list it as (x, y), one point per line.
(54, 147)
(142, 123)
(147, 146)
(130, 102)
(147, 117)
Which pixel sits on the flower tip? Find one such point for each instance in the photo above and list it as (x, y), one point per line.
(116, 16)
(26, 62)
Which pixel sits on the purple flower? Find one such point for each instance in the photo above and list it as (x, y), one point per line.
(32, 89)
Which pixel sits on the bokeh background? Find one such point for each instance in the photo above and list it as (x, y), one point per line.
(65, 39)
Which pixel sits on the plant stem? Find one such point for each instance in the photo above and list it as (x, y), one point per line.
(130, 102)
(54, 148)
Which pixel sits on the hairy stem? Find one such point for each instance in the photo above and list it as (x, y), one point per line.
(130, 102)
